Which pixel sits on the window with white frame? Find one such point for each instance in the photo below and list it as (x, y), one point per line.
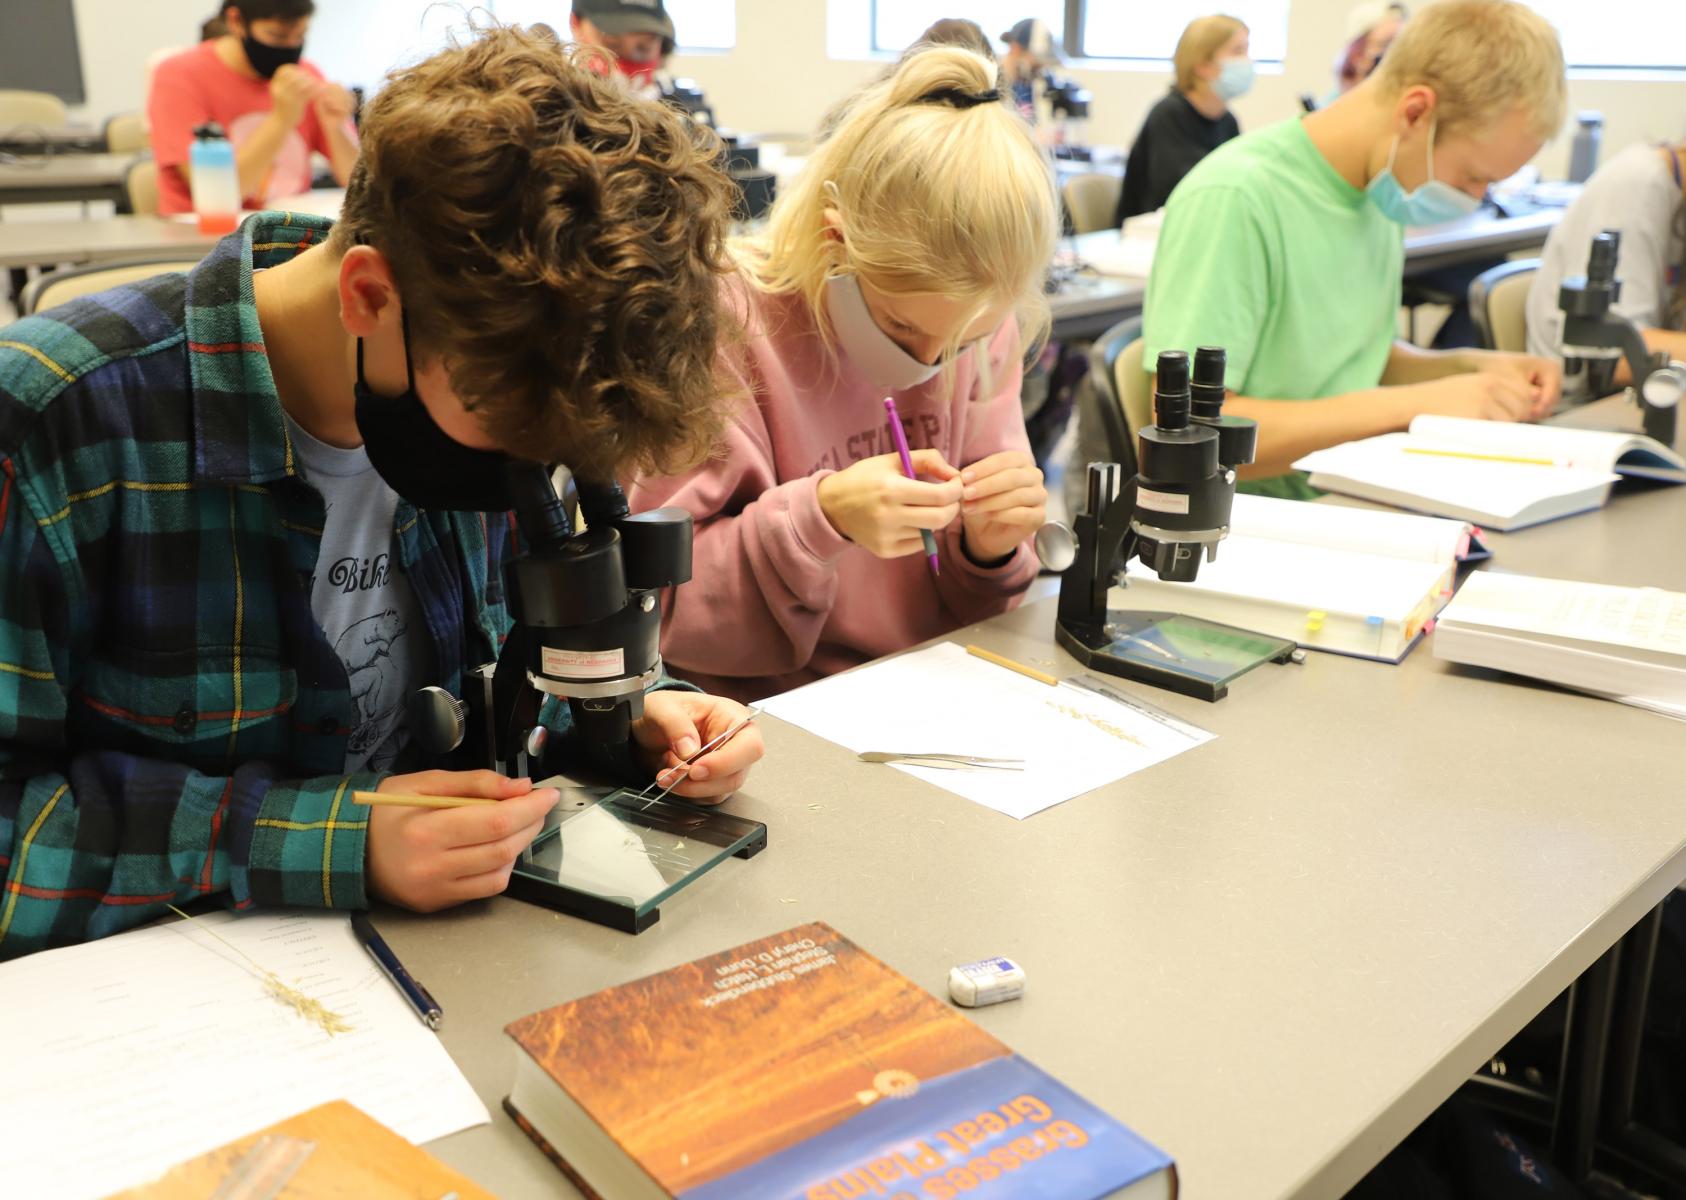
(1635, 35)
(1150, 32)
(897, 24)
(697, 24)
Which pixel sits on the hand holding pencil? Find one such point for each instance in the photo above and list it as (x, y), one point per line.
(427, 858)
(875, 505)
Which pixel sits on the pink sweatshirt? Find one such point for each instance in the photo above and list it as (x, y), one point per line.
(777, 596)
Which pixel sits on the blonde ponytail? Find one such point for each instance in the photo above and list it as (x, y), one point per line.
(938, 189)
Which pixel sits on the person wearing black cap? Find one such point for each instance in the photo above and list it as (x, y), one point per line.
(638, 33)
(1030, 53)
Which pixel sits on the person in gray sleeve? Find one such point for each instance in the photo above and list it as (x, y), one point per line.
(1641, 193)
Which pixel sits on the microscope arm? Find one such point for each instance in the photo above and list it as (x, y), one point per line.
(1100, 558)
(1611, 330)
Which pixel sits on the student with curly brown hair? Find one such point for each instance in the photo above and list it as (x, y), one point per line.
(229, 537)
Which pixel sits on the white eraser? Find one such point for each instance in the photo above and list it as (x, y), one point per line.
(990, 981)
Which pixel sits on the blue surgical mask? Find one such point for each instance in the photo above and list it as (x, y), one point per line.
(1235, 78)
(1434, 203)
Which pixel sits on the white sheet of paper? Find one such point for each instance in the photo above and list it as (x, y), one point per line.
(1129, 257)
(943, 700)
(127, 1055)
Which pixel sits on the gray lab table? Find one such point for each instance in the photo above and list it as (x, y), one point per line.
(59, 177)
(1273, 955)
(1087, 305)
(110, 239)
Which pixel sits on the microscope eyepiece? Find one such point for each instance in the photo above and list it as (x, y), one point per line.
(1206, 392)
(1601, 262)
(1171, 398)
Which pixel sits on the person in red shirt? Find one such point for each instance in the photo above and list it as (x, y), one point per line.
(638, 34)
(276, 108)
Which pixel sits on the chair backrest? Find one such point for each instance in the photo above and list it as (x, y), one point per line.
(1109, 413)
(1091, 201)
(1135, 396)
(69, 283)
(127, 133)
(1498, 303)
(31, 108)
(141, 184)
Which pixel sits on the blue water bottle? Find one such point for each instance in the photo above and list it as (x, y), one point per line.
(215, 180)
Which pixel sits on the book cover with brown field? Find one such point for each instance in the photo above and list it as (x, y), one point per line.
(784, 1063)
(334, 1151)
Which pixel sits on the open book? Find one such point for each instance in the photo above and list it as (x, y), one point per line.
(1625, 643)
(1348, 580)
(1494, 473)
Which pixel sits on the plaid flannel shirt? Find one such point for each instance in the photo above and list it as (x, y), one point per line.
(173, 722)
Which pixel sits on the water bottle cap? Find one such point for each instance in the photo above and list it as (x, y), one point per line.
(208, 131)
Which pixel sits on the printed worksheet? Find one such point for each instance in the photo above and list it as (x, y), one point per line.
(941, 700)
(127, 1055)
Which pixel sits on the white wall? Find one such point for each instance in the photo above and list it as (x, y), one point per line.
(354, 41)
(780, 77)
(118, 36)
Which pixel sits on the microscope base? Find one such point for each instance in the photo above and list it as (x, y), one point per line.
(1188, 655)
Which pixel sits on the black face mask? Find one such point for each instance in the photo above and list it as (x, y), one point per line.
(419, 460)
(267, 59)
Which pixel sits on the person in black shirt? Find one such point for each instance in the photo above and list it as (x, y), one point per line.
(1193, 120)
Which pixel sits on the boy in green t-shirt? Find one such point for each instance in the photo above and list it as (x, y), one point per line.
(1286, 246)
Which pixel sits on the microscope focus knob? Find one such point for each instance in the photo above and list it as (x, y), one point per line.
(1665, 386)
(438, 720)
(1056, 546)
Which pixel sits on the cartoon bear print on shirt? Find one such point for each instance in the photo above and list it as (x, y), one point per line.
(366, 648)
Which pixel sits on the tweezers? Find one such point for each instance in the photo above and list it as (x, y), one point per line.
(684, 767)
(945, 762)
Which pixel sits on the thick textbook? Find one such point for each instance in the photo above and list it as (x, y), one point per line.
(800, 1066)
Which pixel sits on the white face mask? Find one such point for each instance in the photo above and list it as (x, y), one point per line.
(868, 348)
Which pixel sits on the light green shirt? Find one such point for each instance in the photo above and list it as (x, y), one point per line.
(1269, 253)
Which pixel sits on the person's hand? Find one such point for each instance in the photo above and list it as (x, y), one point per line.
(880, 509)
(291, 91)
(333, 105)
(676, 724)
(1004, 503)
(1481, 395)
(1542, 376)
(431, 858)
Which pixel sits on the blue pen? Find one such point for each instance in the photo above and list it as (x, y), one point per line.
(925, 535)
(426, 1007)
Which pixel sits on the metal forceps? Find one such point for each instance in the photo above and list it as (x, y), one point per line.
(943, 762)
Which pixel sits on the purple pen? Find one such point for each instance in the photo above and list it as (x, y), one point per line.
(925, 535)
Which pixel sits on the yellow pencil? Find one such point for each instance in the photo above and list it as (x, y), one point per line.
(400, 800)
(998, 660)
(1509, 458)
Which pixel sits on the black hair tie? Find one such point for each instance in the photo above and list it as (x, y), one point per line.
(955, 98)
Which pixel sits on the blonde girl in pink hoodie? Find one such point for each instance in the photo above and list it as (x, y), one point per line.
(906, 262)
